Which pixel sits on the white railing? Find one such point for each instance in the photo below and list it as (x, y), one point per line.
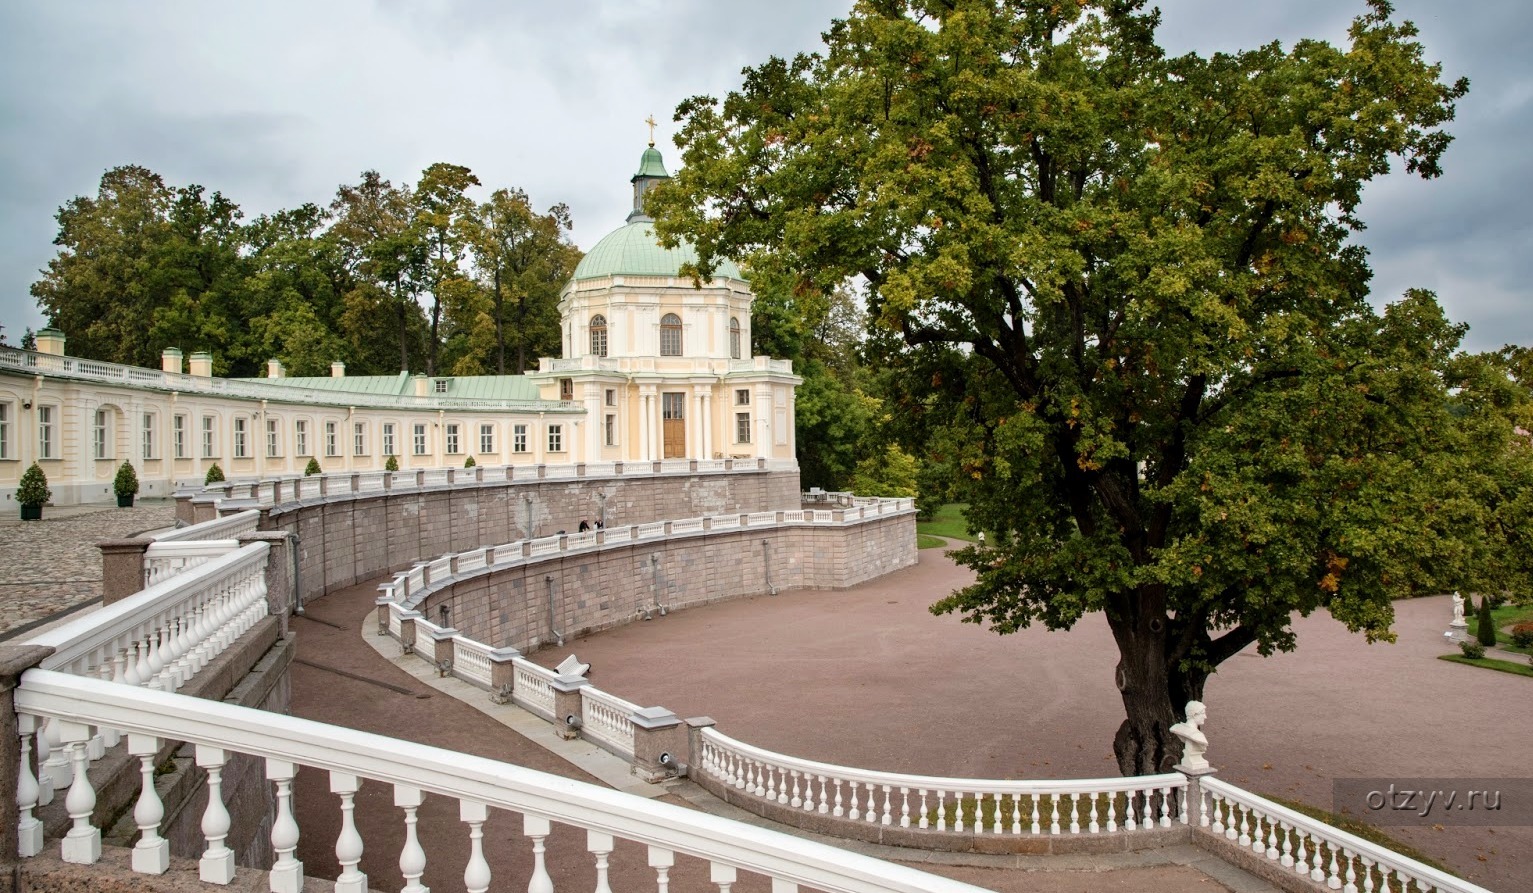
(546, 545)
(311, 487)
(600, 469)
(724, 522)
(1312, 849)
(956, 805)
(472, 562)
(471, 661)
(371, 481)
(675, 466)
(607, 720)
(434, 477)
(226, 528)
(532, 689)
(559, 471)
(687, 525)
(479, 785)
(164, 634)
(649, 531)
(163, 560)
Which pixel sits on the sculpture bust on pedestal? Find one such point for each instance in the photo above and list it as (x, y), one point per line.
(1194, 742)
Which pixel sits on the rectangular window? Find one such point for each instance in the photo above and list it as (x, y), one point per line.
(5, 430)
(99, 439)
(611, 396)
(486, 438)
(420, 439)
(331, 447)
(566, 389)
(440, 385)
(178, 435)
(301, 438)
(452, 440)
(743, 397)
(742, 427)
(609, 429)
(148, 435)
(359, 438)
(556, 438)
(388, 439)
(519, 439)
(273, 448)
(239, 438)
(45, 437)
(207, 437)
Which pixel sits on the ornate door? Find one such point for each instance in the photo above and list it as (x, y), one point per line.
(673, 415)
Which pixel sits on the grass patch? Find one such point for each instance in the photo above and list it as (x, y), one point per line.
(927, 541)
(1503, 617)
(1490, 663)
(950, 522)
(1366, 831)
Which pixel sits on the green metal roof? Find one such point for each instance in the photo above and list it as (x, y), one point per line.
(631, 250)
(386, 385)
(651, 165)
(465, 387)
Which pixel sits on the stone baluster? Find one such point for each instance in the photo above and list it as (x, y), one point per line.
(412, 857)
(217, 864)
(537, 828)
(82, 845)
(600, 846)
(151, 855)
(476, 874)
(722, 875)
(781, 886)
(662, 860)
(348, 846)
(28, 791)
(286, 870)
(51, 745)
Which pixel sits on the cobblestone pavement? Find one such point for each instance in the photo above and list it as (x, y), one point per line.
(53, 565)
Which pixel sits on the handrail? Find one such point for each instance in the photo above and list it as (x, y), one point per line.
(1374, 857)
(226, 528)
(469, 778)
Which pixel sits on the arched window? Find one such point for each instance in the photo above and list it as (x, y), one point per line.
(599, 335)
(734, 338)
(670, 335)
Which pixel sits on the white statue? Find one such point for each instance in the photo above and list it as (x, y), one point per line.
(1458, 612)
(1194, 742)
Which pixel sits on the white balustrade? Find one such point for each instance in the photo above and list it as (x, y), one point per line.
(532, 688)
(820, 516)
(559, 472)
(675, 466)
(793, 517)
(438, 569)
(524, 472)
(1313, 849)
(471, 661)
(580, 540)
(600, 469)
(546, 545)
(761, 519)
(687, 525)
(472, 562)
(371, 481)
(480, 786)
(724, 522)
(226, 528)
(401, 480)
(310, 487)
(649, 531)
(614, 535)
(606, 719)
(955, 805)
(163, 560)
(709, 466)
(434, 477)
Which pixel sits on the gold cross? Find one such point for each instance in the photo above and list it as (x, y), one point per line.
(651, 122)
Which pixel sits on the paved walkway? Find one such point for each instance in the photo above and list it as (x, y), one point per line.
(51, 566)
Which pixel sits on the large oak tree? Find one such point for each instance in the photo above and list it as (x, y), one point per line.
(1131, 280)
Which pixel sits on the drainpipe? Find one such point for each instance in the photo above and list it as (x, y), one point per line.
(558, 636)
(292, 549)
(766, 565)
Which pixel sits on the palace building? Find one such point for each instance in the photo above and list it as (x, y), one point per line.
(655, 366)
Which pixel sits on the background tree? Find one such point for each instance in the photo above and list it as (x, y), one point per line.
(441, 213)
(386, 259)
(1181, 409)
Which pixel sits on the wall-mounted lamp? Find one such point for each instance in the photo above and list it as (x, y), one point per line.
(26, 404)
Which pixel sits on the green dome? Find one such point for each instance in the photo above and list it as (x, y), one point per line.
(651, 164)
(631, 250)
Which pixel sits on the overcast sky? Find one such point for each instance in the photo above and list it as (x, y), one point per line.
(278, 102)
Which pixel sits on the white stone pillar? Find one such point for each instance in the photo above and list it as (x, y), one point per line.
(539, 440)
(708, 422)
(595, 424)
(763, 419)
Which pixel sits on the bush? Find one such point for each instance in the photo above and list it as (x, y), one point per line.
(215, 474)
(469, 462)
(126, 482)
(1485, 626)
(1522, 635)
(392, 464)
(1472, 649)
(312, 467)
(33, 488)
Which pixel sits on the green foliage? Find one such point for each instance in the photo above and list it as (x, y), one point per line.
(32, 489)
(1522, 635)
(891, 474)
(1485, 628)
(1472, 649)
(927, 541)
(948, 521)
(1490, 663)
(469, 462)
(1119, 292)
(126, 481)
(391, 464)
(214, 475)
(312, 467)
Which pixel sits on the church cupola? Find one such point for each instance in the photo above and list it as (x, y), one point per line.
(651, 171)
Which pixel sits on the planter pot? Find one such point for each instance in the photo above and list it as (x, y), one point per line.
(31, 513)
(125, 502)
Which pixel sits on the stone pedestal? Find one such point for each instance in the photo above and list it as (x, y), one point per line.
(658, 733)
(503, 674)
(441, 649)
(695, 726)
(122, 568)
(281, 589)
(1194, 802)
(14, 660)
(567, 704)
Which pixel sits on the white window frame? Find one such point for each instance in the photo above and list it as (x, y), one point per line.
(98, 435)
(301, 437)
(359, 438)
(450, 442)
(45, 434)
(5, 429)
(611, 398)
(209, 437)
(742, 396)
(332, 447)
(149, 419)
(240, 436)
(742, 427)
(419, 436)
(388, 439)
(734, 338)
(440, 386)
(519, 438)
(178, 434)
(556, 438)
(273, 438)
(671, 342)
(609, 429)
(486, 438)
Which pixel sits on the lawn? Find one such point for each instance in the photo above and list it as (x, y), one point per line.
(949, 522)
(1503, 617)
(927, 541)
(1490, 663)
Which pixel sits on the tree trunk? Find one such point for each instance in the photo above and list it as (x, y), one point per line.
(500, 329)
(404, 338)
(521, 335)
(436, 316)
(1144, 744)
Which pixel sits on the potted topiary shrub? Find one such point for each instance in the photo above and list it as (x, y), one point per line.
(215, 474)
(469, 462)
(125, 485)
(312, 468)
(32, 492)
(392, 464)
